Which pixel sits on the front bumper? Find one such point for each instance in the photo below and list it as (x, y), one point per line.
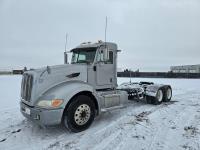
(43, 117)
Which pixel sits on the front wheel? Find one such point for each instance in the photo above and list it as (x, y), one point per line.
(80, 114)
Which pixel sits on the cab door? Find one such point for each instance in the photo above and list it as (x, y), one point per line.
(104, 69)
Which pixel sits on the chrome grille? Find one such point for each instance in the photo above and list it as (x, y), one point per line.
(26, 87)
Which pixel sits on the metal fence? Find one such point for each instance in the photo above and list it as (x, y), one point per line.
(158, 75)
(134, 74)
(12, 72)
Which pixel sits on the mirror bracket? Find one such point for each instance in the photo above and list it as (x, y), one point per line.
(106, 54)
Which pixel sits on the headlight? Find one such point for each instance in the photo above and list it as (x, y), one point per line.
(50, 103)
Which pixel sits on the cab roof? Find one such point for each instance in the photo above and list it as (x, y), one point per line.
(89, 45)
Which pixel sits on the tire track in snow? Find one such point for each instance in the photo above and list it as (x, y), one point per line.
(111, 129)
(148, 133)
(164, 135)
(129, 126)
(113, 134)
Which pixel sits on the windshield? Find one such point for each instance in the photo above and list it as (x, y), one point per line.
(83, 55)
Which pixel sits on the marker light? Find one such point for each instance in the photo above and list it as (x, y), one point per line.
(56, 102)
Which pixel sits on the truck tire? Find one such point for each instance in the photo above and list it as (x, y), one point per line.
(167, 94)
(80, 114)
(158, 98)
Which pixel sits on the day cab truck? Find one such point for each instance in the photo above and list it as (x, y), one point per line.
(74, 94)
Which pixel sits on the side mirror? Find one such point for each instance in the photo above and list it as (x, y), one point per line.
(106, 54)
(65, 58)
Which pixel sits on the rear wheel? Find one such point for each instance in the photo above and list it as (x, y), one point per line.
(167, 94)
(159, 98)
(80, 114)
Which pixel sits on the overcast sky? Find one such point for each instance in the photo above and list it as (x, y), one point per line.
(153, 34)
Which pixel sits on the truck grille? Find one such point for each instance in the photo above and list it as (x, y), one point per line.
(26, 87)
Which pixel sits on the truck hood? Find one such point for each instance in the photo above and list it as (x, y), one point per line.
(48, 77)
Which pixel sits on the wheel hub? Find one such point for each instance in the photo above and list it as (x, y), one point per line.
(82, 114)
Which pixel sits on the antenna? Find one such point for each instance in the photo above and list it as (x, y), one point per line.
(106, 29)
(66, 42)
(130, 74)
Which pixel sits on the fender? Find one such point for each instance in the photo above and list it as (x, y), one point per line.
(67, 90)
(151, 90)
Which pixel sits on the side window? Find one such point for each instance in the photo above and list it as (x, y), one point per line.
(100, 57)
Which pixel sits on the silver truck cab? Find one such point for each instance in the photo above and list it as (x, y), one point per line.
(74, 94)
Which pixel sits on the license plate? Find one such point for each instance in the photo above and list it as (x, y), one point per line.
(27, 111)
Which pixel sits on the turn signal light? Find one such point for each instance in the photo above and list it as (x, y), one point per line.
(56, 102)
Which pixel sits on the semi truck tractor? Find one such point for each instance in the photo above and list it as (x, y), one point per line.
(73, 94)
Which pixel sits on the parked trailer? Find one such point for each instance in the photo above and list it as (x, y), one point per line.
(74, 94)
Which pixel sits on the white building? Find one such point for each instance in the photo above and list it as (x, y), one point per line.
(186, 69)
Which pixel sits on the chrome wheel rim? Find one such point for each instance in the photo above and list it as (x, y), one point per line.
(169, 93)
(160, 95)
(82, 114)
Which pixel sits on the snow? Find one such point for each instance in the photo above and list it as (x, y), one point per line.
(173, 125)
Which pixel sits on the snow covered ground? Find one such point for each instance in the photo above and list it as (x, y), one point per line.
(139, 126)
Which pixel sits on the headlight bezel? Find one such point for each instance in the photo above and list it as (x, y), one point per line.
(54, 103)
